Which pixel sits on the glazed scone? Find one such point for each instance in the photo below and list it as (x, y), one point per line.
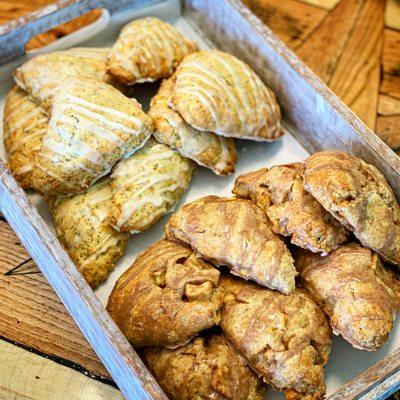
(24, 127)
(92, 126)
(206, 148)
(355, 291)
(166, 297)
(82, 228)
(42, 75)
(206, 368)
(235, 233)
(285, 338)
(359, 197)
(147, 49)
(292, 211)
(147, 185)
(214, 91)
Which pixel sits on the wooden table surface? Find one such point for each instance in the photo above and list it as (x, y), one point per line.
(353, 45)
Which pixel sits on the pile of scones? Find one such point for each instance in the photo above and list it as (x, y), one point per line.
(240, 292)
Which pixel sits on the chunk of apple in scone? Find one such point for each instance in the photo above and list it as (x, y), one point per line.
(285, 338)
(166, 297)
(235, 233)
(82, 227)
(92, 126)
(358, 294)
(292, 211)
(206, 368)
(147, 185)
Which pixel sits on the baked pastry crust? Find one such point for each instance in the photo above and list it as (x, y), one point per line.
(214, 91)
(147, 49)
(292, 211)
(206, 368)
(166, 297)
(286, 339)
(92, 126)
(234, 232)
(356, 292)
(359, 197)
(42, 75)
(147, 185)
(206, 148)
(24, 127)
(82, 227)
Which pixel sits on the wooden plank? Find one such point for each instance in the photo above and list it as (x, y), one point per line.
(390, 85)
(392, 14)
(325, 4)
(388, 128)
(323, 48)
(391, 52)
(357, 76)
(30, 311)
(388, 105)
(45, 379)
(291, 20)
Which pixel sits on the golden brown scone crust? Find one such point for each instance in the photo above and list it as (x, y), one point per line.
(82, 227)
(285, 338)
(166, 297)
(206, 148)
(292, 211)
(147, 49)
(359, 197)
(214, 91)
(42, 75)
(235, 233)
(355, 291)
(92, 126)
(206, 368)
(147, 185)
(24, 127)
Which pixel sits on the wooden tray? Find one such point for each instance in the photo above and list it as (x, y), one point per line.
(312, 113)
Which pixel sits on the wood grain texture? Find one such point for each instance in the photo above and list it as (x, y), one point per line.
(326, 4)
(387, 128)
(322, 50)
(391, 85)
(42, 378)
(357, 76)
(392, 14)
(388, 106)
(30, 311)
(391, 52)
(292, 20)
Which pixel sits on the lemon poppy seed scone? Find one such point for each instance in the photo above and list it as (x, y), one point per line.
(92, 126)
(147, 185)
(147, 49)
(235, 232)
(166, 297)
(214, 91)
(359, 197)
(42, 75)
(82, 227)
(206, 368)
(292, 211)
(206, 148)
(24, 128)
(285, 338)
(355, 291)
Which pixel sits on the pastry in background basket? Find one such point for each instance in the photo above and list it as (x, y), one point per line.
(206, 148)
(214, 91)
(356, 292)
(359, 197)
(42, 75)
(166, 297)
(147, 49)
(206, 368)
(82, 227)
(24, 127)
(292, 211)
(235, 233)
(92, 126)
(285, 338)
(147, 185)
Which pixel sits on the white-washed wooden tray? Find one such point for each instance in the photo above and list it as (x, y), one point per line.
(314, 119)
